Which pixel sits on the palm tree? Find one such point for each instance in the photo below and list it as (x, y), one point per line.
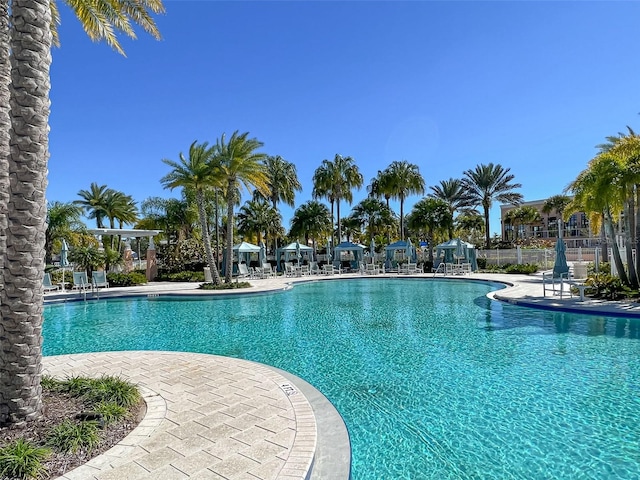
(171, 215)
(453, 193)
(5, 121)
(375, 216)
(62, 220)
(381, 185)
(335, 181)
(29, 47)
(488, 183)
(94, 202)
(198, 173)
(258, 218)
(429, 216)
(470, 225)
(521, 216)
(311, 220)
(239, 165)
(405, 180)
(282, 179)
(599, 189)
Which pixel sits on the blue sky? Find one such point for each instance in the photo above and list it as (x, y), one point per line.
(533, 86)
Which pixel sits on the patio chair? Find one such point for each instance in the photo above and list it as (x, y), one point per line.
(243, 271)
(314, 269)
(288, 269)
(99, 279)
(371, 269)
(47, 285)
(267, 270)
(80, 281)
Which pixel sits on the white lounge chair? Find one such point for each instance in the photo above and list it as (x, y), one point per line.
(289, 271)
(243, 271)
(99, 279)
(267, 270)
(314, 269)
(47, 285)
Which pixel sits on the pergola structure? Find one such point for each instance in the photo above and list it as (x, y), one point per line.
(152, 266)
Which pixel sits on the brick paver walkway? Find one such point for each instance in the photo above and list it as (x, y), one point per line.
(208, 417)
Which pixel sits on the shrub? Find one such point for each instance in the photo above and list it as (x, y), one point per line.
(21, 459)
(186, 276)
(110, 411)
(482, 263)
(225, 286)
(104, 389)
(525, 268)
(69, 437)
(126, 279)
(604, 285)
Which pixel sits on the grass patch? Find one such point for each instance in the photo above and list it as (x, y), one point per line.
(23, 460)
(70, 437)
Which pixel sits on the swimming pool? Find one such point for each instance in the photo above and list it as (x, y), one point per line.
(433, 380)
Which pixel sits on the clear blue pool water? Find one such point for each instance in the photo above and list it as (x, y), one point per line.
(434, 380)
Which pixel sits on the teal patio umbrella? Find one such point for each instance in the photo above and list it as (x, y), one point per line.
(263, 253)
(409, 250)
(64, 259)
(560, 266)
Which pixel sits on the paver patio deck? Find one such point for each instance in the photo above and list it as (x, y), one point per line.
(208, 417)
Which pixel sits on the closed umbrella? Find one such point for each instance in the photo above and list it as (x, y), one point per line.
(329, 252)
(372, 249)
(409, 250)
(64, 260)
(298, 251)
(459, 249)
(560, 266)
(263, 253)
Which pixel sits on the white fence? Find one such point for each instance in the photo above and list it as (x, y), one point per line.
(544, 257)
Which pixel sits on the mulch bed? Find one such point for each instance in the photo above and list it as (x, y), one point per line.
(59, 407)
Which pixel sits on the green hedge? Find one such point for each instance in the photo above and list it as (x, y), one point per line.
(181, 277)
(126, 279)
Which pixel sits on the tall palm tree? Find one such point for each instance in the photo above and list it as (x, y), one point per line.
(283, 183)
(453, 193)
(487, 183)
(260, 219)
(5, 121)
(94, 202)
(62, 220)
(374, 215)
(599, 188)
(311, 220)
(335, 181)
(282, 179)
(429, 216)
(239, 165)
(381, 186)
(198, 172)
(405, 180)
(29, 47)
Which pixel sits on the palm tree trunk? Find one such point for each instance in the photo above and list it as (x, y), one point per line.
(229, 250)
(637, 227)
(603, 241)
(22, 296)
(628, 241)
(615, 251)
(5, 124)
(401, 218)
(487, 232)
(338, 215)
(206, 239)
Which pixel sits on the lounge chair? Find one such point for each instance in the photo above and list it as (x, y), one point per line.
(371, 269)
(47, 285)
(243, 271)
(289, 271)
(99, 279)
(80, 281)
(314, 269)
(330, 269)
(267, 270)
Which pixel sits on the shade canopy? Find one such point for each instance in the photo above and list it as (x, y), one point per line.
(243, 252)
(400, 246)
(457, 249)
(349, 252)
(293, 251)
